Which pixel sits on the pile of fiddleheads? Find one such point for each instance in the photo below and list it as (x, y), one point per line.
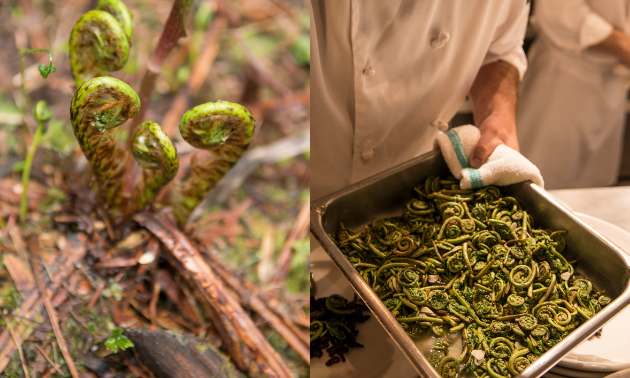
(471, 261)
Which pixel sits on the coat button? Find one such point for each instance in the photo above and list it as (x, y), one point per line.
(440, 41)
(440, 125)
(367, 154)
(369, 71)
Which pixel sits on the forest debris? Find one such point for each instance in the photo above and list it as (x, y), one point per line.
(20, 273)
(52, 314)
(284, 261)
(249, 297)
(173, 292)
(223, 224)
(170, 355)
(48, 359)
(248, 348)
(18, 242)
(31, 306)
(97, 294)
(266, 265)
(16, 342)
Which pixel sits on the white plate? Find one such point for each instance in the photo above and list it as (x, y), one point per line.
(551, 374)
(611, 351)
(381, 357)
(620, 374)
(577, 373)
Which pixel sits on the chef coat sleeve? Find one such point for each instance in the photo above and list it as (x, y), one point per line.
(507, 44)
(571, 24)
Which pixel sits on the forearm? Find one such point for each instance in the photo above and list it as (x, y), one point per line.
(617, 43)
(494, 96)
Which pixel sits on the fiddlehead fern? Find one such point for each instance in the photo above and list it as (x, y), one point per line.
(223, 128)
(99, 43)
(155, 152)
(120, 12)
(98, 106)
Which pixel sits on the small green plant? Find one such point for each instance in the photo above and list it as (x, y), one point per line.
(42, 114)
(44, 70)
(118, 340)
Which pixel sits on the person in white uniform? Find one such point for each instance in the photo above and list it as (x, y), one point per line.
(387, 76)
(572, 102)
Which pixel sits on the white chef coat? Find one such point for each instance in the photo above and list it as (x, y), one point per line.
(386, 76)
(571, 112)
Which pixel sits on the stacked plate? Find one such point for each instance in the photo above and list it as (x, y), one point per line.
(607, 355)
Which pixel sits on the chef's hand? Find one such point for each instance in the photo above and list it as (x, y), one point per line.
(495, 130)
(494, 96)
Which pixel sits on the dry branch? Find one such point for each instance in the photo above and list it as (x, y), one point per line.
(52, 314)
(254, 301)
(248, 348)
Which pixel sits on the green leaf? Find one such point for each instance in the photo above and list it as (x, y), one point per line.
(118, 340)
(45, 70)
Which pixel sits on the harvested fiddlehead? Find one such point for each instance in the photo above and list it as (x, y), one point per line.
(98, 106)
(223, 128)
(99, 42)
(472, 262)
(155, 152)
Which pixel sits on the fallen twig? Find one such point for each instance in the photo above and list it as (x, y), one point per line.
(249, 349)
(19, 348)
(49, 360)
(251, 299)
(52, 314)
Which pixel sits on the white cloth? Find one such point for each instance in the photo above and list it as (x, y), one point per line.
(505, 165)
(387, 75)
(571, 113)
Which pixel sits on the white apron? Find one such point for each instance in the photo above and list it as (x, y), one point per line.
(386, 77)
(571, 114)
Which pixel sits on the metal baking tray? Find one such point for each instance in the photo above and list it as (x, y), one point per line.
(387, 193)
